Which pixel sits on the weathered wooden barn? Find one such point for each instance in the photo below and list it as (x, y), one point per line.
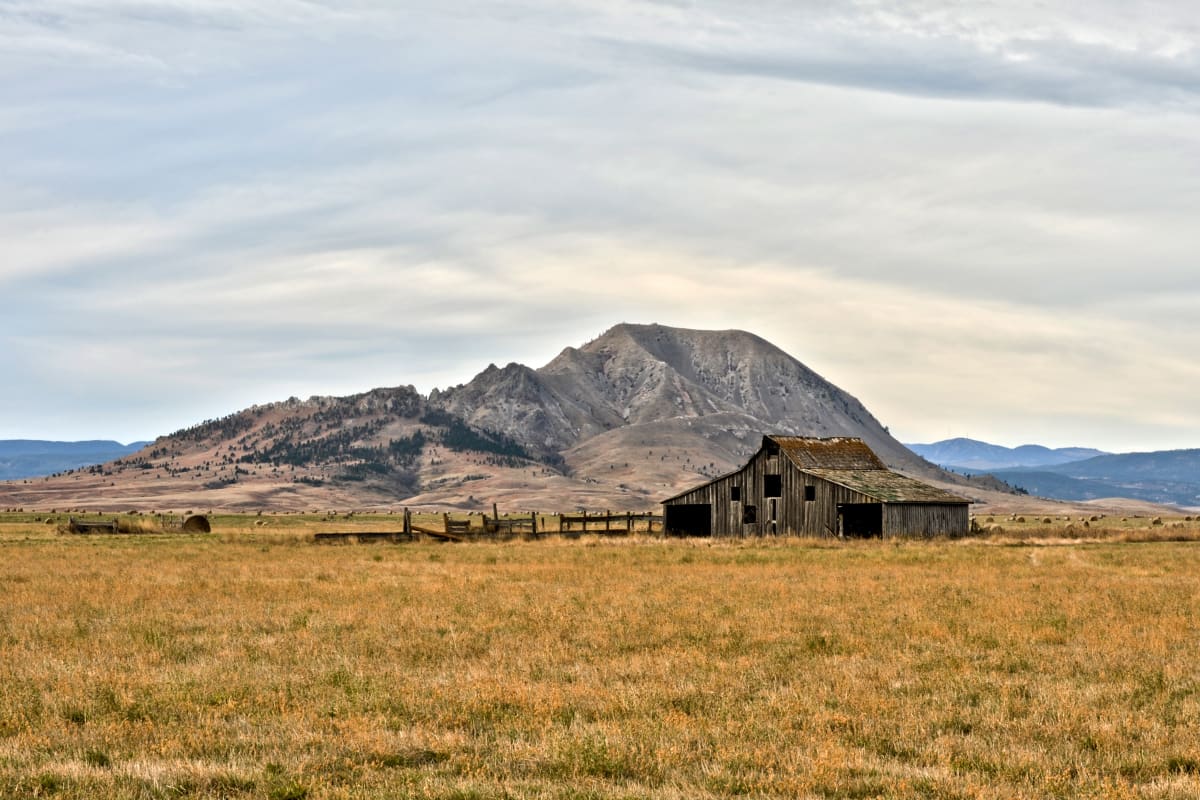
(815, 487)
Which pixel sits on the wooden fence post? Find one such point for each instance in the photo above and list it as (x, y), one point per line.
(533, 521)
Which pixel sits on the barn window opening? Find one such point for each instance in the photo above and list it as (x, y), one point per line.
(771, 448)
(810, 493)
(772, 486)
(735, 494)
(749, 515)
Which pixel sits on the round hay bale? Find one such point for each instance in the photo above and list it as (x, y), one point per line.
(1020, 519)
(197, 523)
(1156, 521)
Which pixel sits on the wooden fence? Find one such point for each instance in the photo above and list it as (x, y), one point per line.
(608, 522)
(458, 530)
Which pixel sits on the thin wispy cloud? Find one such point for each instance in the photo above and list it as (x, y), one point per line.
(921, 200)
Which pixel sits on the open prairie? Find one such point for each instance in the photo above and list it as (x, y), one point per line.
(252, 662)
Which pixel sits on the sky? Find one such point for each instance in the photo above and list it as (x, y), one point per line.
(979, 218)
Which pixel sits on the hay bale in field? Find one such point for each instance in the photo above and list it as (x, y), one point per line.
(1156, 521)
(197, 523)
(1047, 521)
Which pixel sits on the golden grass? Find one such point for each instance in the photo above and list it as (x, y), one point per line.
(252, 663)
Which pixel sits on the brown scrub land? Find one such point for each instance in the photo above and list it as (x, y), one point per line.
(252, 662)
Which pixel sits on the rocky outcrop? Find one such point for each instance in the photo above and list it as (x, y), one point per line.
(639, 374)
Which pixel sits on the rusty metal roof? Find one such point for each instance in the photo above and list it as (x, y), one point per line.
(841, 452)
(887, 486)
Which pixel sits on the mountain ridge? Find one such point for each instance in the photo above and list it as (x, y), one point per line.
(1163, 476)
(637, 414)
(33, 458)
(972, 454)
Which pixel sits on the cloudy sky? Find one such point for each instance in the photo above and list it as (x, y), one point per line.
(980, 218)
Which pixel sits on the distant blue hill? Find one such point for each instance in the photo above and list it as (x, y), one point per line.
(976, 456)
(32, 458)
(1168, 476)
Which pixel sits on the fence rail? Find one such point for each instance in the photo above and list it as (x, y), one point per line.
(533, 524)
(608, 522)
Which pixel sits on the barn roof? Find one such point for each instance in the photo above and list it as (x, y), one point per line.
(840, 452)
(848, 462)
(886, 486)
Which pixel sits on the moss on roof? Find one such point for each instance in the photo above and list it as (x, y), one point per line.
(841, 452)
(886, 486)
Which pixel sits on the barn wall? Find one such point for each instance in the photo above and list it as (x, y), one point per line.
(793, 515)
(925, 519)
(710, 494)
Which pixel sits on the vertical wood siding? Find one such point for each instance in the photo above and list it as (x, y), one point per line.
(818, 517)
(925, 519)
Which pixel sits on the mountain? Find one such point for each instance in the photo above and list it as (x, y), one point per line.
(1163, 465)
(1169, 477)
(972, 455)
(30, 458)
(631, 417)
(737, 384)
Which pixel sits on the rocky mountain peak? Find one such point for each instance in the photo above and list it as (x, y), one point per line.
(634, 415)
(635, 375)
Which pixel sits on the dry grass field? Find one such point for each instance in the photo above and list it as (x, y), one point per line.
(253, 663)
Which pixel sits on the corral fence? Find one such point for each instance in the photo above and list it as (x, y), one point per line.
(530, 525)
(609, 522)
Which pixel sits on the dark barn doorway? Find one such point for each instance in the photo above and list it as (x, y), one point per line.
(688, 519)
(860, 520)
